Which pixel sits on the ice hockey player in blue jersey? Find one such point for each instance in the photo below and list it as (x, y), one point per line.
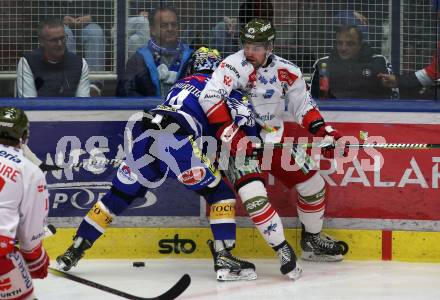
(169, 142)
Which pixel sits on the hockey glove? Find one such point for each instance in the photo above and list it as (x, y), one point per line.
(6, 245)
(240, 112)
(315, 123)
(37, 261)
(328, 144)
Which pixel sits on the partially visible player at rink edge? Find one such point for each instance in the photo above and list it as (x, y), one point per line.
(274, 85)
(23, 210)
(427, 77)
(178, 120)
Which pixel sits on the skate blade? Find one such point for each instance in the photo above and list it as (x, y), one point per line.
(61, 265)
(227, 275)
(310, 256)
(295, 274)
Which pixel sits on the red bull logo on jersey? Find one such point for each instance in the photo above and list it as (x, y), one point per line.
(192, 176)
(125, 175)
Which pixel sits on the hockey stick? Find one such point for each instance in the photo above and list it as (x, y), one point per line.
(262, 146)
(49, 230)
(45, 167)
(362, 146)
(172, 293)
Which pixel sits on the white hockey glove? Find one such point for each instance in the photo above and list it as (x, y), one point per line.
(240, 112)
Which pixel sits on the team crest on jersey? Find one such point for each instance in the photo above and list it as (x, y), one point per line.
(125, 175)
(192, 176)
(285, 76)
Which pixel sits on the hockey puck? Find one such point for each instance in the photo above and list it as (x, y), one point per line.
(138, 264)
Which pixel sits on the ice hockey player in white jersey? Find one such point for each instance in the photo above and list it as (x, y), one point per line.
(275, 88)
(23, 210)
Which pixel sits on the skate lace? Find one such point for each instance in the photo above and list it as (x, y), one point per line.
(284, 254)
(72, 253)
(235, 259)
(228, 260)
(324, 241)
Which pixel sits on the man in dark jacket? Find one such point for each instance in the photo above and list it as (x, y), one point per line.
(154, 68)
(350, 71)
(83, 24)
(51, 70)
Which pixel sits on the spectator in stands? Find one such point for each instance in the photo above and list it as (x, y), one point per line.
(350, 71)
(51, 70)
(154, 68)
(426, 77)
(225, 36)
(138, 27)
(352, 17)
(255, 9)
(89, 35)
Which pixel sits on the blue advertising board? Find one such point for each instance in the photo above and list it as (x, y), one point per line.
(86, 139)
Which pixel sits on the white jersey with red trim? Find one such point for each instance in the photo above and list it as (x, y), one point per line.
(431, 73)
(23, 199)
(276, 92)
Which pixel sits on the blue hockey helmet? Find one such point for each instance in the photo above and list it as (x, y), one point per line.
(204, 60)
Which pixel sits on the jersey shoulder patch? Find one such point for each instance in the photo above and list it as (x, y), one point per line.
(284, 75)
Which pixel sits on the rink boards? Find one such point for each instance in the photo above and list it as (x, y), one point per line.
(160, 242)
(387, 212)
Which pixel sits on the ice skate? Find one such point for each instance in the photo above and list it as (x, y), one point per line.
(73, 254)
(289, 263)
(321, 247)
(228, 267)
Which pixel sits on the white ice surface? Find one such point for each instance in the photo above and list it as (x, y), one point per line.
(345, 280)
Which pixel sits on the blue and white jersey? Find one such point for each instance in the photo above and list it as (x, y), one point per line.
(183, 105)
